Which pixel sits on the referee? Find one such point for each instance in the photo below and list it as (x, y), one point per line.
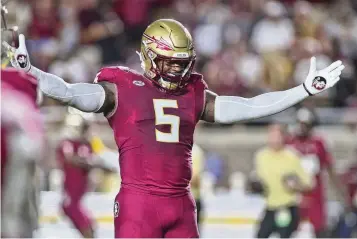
(283, 178)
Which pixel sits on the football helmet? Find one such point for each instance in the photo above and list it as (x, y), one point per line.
(9, 34)
(168, 41)
(306, 120)
(75, 125)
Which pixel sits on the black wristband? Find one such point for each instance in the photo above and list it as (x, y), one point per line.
(306, 89)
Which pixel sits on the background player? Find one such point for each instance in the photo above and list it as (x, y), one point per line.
(21, 147)
(153, 117)
(280, 171)
(316, 158)
(347, 224)
(76, 158)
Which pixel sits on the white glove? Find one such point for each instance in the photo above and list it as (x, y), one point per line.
(18, 57)
(319, 81)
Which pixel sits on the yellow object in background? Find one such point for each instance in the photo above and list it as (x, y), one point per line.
(109, 182)
(272, 166)
(197, 168)
(97, 145)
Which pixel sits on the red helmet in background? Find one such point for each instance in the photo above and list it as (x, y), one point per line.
(306, 120)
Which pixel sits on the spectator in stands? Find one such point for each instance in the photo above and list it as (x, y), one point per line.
(272, 37)
(275, 32)
(307, 23)
(222, 75)
(69, 36)
(304, 49)
(44, 31)
(100, 29)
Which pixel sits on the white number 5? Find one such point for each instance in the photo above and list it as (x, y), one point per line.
(162, 118)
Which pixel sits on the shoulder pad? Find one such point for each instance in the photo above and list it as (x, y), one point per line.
(198, 79)
(112, 74)
(325, 142)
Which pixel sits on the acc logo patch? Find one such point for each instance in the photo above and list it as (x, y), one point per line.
(319, 83)
(138, 83)
(116, 209)
(22, 60)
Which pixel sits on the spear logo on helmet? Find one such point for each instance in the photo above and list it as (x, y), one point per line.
(160, 44)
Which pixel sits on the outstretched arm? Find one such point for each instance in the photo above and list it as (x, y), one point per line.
(83, 96)
(229, 109)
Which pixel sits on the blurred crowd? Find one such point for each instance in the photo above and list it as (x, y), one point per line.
(244, 47)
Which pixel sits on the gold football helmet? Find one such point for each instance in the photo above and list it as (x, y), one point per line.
(8, 34)
(166, 42)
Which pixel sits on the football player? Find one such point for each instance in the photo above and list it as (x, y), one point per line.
(21, 146)
(75, 155)
(153, 116)
(347, 225)
(316, 159)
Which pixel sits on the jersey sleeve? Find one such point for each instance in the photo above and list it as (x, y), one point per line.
(112, 74)
(115, 75)
(200, 91)
(326, 156)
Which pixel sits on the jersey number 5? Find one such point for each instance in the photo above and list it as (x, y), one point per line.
(161, 119)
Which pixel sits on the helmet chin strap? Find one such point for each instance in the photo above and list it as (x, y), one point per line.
(142, 64)
(167, 84)
(187, 68)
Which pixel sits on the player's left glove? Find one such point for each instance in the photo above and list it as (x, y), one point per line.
(319, 81)
(19, 57)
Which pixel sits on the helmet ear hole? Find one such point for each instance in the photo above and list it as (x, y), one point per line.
(151, 54)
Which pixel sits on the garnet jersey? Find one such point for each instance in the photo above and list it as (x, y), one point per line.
(18, 112)
(154, 130)
(76, 178)
(315, 158)
(20, 81)
(18, 91)
(22, 141)
(349, 178)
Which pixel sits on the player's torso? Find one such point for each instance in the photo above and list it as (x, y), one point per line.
(154, 132)
(75, 177)
(312, 160)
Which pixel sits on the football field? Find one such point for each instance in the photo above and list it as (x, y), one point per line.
(226, 216)
(64, 230)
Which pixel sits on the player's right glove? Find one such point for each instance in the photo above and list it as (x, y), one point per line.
(319, 81)
(19, 57)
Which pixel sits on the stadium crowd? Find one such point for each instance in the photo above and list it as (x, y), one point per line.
(244, 47)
